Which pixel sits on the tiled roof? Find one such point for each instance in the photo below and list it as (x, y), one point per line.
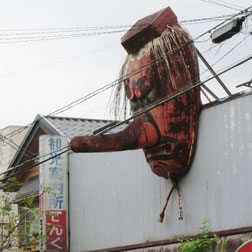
(64, 126)
(71, 127)
(29, 189)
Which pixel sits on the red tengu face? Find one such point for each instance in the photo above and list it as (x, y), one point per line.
(139, 88)
(175, 122)
(166, 133)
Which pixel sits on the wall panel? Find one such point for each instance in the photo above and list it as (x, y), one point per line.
(115, 199)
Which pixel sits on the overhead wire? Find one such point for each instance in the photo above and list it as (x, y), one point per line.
(104, 27)
(34, 165)
(14, 145)
(33, 159)
(227, 53)
(186, 89)
(56, 37)
(106, 87)
(36, 68)
(7, 158)
(231, 4)
(172, 96)
(38, 35)
(162, 101)
(221, 4)
(8, 155)
(99, 108)
(138, 113)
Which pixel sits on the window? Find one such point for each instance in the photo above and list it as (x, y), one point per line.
(29, 227)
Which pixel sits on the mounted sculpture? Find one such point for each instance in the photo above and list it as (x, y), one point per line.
(161, 61)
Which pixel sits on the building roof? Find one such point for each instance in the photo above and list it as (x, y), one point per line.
(63, 126)
(71, 127)
(29, 189)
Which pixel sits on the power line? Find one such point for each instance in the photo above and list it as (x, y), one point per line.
(62, 61)
(13, 145)
(11, 155)
(138, 113)
(33, 159)
(104, 27)
(32, 166)
(45, 38)
(41, 36)
(169, 97)
(227, 53)
(78, 101)
(90, 95)
(231, 4)
(220, 4)
(110, 85)
(119, 80)
(146, 109)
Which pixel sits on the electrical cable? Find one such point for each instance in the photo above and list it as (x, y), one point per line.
(34, 39)
(169, 97)
(7, 40)
(146, 109)
(36, 68)
(219, 4)
(228, 52)
(99, 108)
(113, 83)
(107, 86)
(90, 28)
(230, 4)
(32, 166)
(33, 159)
(90, 95)
(14, 145)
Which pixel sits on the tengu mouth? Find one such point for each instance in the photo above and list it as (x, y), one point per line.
(160, 152)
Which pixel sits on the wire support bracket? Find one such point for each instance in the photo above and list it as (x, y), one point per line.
(213, 72)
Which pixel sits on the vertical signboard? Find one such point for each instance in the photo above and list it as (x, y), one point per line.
(53, 178)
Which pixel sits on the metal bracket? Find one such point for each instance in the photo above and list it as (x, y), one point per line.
(246, 84)
(213, 72)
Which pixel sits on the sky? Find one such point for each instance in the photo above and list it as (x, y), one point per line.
(48, 60)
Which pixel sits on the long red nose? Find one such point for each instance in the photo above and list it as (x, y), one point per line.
(139, 134)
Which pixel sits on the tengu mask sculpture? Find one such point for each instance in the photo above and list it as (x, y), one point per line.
(161, 61)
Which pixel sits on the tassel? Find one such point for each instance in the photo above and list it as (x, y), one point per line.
(180, 212)
(161, 216)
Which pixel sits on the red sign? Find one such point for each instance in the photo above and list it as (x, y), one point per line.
(246, 247)
(56, 230)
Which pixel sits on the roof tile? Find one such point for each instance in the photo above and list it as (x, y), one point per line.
(71, 127)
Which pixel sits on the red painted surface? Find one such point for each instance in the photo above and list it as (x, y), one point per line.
(147, 29)
(247, 247)
(56, 231)
(162, 66)
(168, 132)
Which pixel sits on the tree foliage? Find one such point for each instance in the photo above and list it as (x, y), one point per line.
(18, 226)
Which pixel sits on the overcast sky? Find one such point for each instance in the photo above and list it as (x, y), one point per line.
(44, 75)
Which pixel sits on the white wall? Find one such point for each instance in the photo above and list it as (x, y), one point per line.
(115, 199)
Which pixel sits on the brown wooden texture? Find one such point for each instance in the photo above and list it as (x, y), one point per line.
(167, 133)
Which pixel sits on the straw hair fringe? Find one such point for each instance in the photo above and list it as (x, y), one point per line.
(172, 38)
